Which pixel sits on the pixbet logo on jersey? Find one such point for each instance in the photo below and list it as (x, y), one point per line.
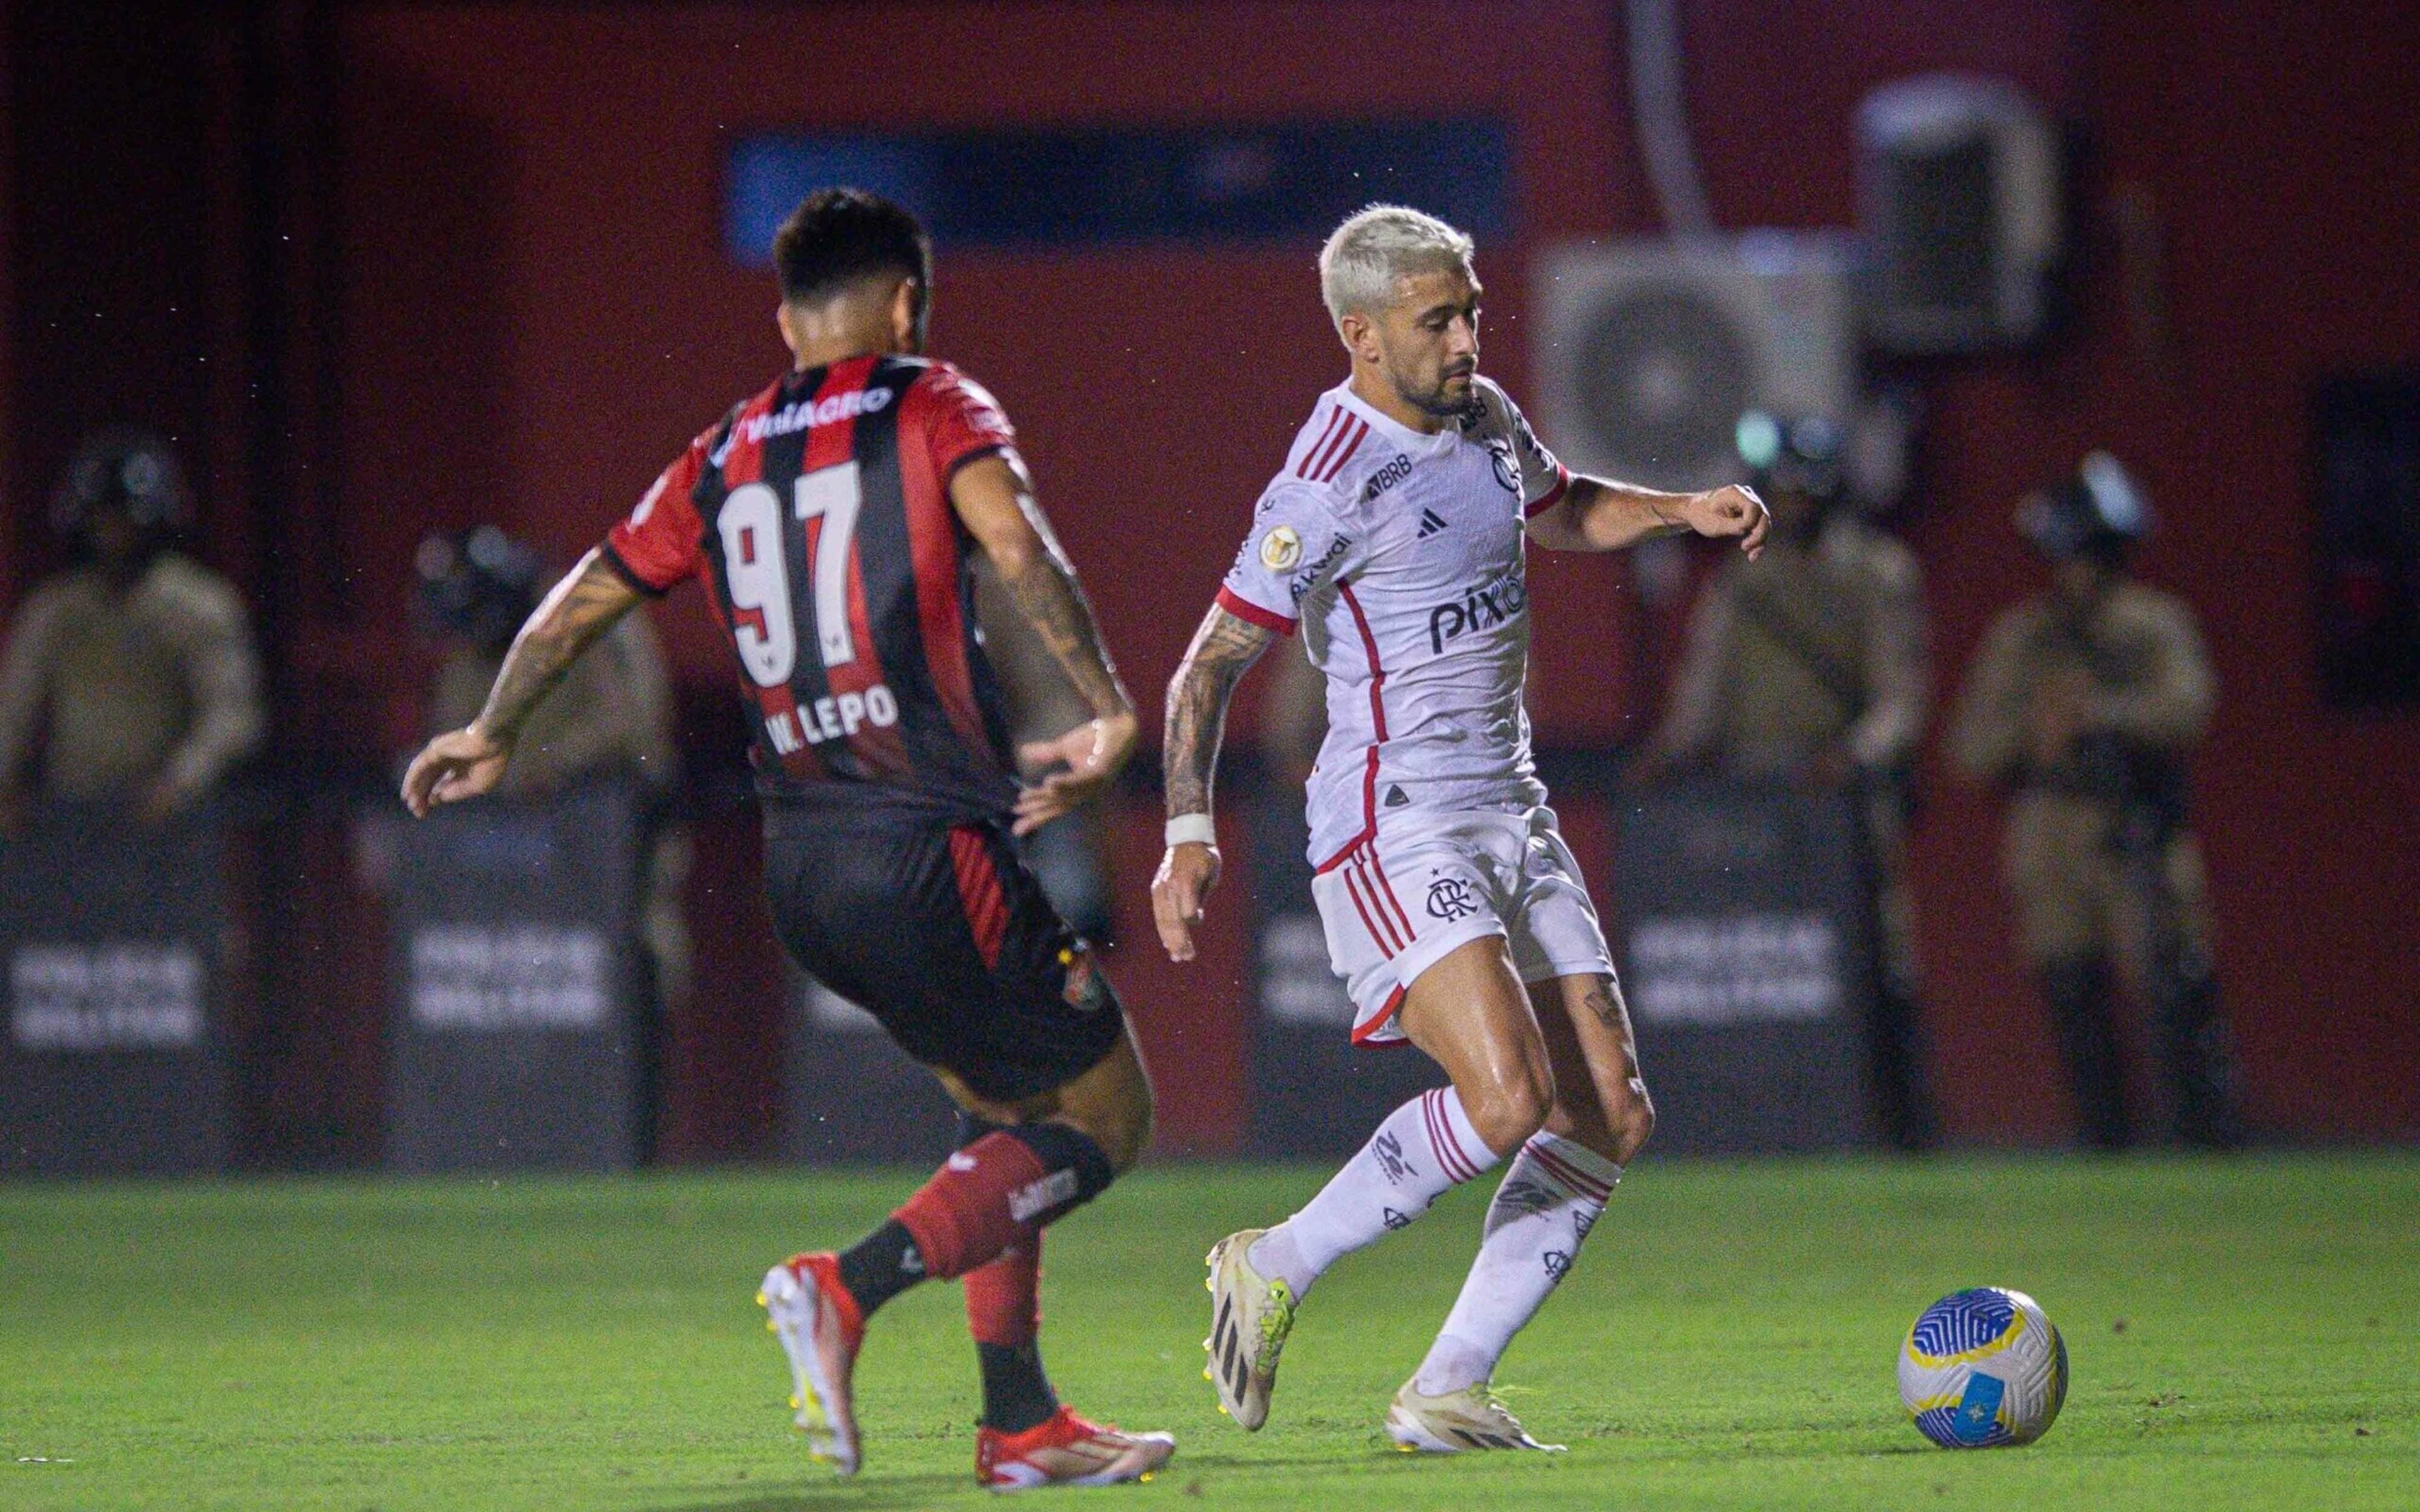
(1481, 609)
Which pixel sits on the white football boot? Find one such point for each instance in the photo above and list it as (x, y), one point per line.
(812, 1315)
(1459, 1421)
(1249, 1319)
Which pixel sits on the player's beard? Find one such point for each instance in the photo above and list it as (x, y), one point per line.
(1440, 398)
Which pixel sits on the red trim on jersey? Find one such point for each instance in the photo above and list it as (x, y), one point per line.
(1252, 613)
(1321, 868)
(1377, 671)
(1553, 495)
(932, 544)
(1378, 727)
(1335, 419)
(1347, 444)
(1362, 1032)
(744, 463)
(1569, 1174)
(979, 890)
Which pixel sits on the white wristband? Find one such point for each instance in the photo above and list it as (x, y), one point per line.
(1192, 829)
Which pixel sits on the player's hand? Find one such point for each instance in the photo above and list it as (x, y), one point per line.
(460, 764)
(1728, 512)
(1187, 875)
(1090, 757)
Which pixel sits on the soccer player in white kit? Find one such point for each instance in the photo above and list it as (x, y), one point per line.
(1393, 538)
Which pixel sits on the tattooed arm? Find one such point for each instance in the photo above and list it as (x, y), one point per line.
(1600, 515)
(471, 759)
(994, 498)
(1224, 649)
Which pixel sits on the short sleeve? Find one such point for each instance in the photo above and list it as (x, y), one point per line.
(962, 421)
(1296, 545)
(662, 541)
(1543, 477)
(1498, 422)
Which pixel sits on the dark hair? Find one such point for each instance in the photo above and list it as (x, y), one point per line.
(838, 236)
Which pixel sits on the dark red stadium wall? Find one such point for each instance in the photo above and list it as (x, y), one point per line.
(539, 312)
(2280, 146)
(12, 522)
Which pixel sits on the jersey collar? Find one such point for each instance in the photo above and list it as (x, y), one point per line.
(1403, 436)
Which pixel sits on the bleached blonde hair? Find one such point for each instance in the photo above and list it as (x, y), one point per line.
(1376, 246)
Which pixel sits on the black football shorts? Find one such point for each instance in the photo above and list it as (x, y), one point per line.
(939, 933)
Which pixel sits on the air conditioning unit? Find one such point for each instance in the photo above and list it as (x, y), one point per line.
(1957, 198)
(1648, 352)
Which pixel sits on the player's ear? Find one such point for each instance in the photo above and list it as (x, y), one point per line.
(909, 305)
(1360, 334)
(783, 318)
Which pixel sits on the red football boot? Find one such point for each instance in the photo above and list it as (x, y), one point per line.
(1066, 1450)
(821, 1329)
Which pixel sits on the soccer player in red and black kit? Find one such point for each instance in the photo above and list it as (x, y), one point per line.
(832, 519)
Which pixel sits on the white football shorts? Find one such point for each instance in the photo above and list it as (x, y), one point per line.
(1429, 881)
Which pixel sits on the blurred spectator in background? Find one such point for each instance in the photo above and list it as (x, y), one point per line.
(2084, 704)
(1808, 665)
(1069, 854)
(130, 677)
(610, 720)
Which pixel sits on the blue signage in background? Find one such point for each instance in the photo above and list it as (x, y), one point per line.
(1088, 186)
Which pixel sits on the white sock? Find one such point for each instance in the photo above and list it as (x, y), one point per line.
(1552, 1195)
(1424, 1148)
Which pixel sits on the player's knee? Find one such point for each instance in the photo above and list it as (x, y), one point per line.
(1120, 1122)
(1131, 1135)
(1508, 1109)
(1616, 1127)
(1629, 1125)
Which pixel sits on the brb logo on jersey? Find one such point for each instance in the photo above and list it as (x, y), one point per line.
(1481, 609)
(1387, 477)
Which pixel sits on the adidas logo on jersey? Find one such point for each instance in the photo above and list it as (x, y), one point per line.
(1431, 522)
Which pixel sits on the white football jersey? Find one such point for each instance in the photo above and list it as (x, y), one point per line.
(1400, 556)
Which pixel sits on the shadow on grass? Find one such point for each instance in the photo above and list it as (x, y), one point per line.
(887, 1491)
(910, 1490)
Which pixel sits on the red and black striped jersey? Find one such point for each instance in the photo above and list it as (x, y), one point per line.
(818, 515)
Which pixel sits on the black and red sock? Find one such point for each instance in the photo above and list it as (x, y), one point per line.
(1000, 1189)
(1004, 1314)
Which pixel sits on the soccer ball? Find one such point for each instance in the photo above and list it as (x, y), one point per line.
(1982, 1368)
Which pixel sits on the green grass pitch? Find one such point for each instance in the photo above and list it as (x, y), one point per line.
(2241, 1334)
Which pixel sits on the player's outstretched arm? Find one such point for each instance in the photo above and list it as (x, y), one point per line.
(1224, 649)
(992, 495)
(1600, 515)
(465, 763)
